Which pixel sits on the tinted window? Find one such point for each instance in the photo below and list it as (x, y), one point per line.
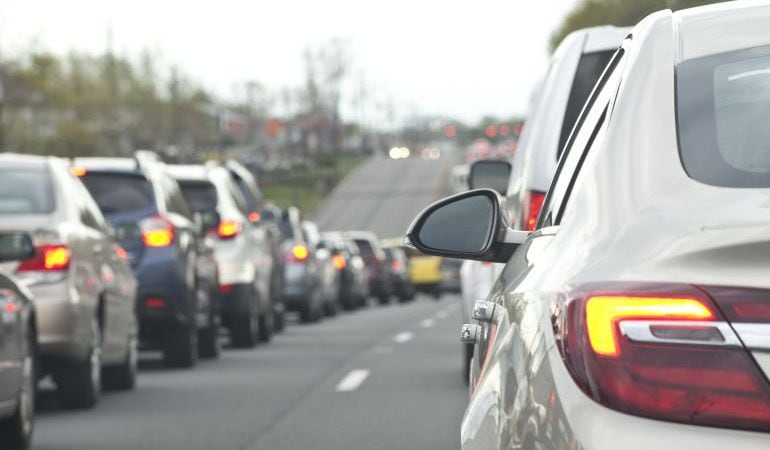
(25, 189)
(119, 193)
(365, 248)
(201, 195)
(589, 70)
(723, 104)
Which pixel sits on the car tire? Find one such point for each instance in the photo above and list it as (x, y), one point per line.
(243, 332)
(123, 377)
(266, 327)
(79, 383)
(279, 321)
(16, 430)
(208, 341)
(180, 347)
(384, 299)
(306, 313)
(331, 308)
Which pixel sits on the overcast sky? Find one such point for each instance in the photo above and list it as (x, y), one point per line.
(462, 59)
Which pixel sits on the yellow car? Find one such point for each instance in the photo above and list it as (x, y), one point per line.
(425, 273)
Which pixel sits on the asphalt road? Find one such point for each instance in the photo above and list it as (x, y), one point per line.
(385, 377)
(383, 195)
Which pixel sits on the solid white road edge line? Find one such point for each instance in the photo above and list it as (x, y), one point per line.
(352, 380)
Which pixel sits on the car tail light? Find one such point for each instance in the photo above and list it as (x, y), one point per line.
(298, 253)
(157, 231)
(661, 351)
(155, 303)
(48, 258)
(339, 262)
(533, 202)
(78, 171)
(228, 229)
(225, 288)
(254, 217)
(397, 265)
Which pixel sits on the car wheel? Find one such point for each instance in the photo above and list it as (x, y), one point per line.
(180, 347)
(266, 327)
(243, 332)
(208, 340)
(384, 299)
(123, 376)
(16, 431)
(279, 321)
(79, 383)
(331, 308)
(306, 313)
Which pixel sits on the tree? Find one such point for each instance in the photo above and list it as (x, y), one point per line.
(591, 13)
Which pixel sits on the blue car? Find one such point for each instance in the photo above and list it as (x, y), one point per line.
(155, 225)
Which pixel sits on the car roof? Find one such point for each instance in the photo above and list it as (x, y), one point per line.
(107, 163)
(188, 172)
(722, 27)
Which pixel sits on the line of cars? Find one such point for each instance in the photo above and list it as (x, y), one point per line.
(631, 308)
(103, 257)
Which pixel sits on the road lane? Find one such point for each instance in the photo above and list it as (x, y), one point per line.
(383, 195)
(283, 395)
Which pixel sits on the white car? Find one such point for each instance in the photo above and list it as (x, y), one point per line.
(636, 315)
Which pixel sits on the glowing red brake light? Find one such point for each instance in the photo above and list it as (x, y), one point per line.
(660, 351)
(533, 203)
(78, 171)
(339, 262)
(397, 265)
(299, 253)
(48, 258)
(157, 231)
(228, 229)
(254, 217)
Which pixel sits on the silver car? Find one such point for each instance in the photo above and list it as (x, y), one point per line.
(83, 288)
(636, 315)
(17, 348)
(241, 250)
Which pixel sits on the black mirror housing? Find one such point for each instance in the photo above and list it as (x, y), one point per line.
(470, 225)
(490, 174)
(16, 246)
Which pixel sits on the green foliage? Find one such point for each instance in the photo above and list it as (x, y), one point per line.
(591, 13)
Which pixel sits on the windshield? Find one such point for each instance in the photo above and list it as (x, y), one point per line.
(201, 195)
(723, 104)
(25, 189)
(117, 193)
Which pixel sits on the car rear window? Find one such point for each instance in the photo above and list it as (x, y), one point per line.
(723, 106)
(25, 189)
(590, 68)
(116, 193)
(365, 248)
(201, 195)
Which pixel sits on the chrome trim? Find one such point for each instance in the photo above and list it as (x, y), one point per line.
(756, 336)
(470, 333)
(639, 331)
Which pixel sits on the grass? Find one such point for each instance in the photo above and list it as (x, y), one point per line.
(306, 186)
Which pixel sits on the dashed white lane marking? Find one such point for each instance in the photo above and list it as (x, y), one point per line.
(406, 336)
(427, 323)
(383, 349)
(442, 315)
(352, 380)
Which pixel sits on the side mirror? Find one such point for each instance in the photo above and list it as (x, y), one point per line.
(471, 225)
(16, 246)
(489, 174)
(206, 220)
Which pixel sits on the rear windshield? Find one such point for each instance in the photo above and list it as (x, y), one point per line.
(25, 189)
(201, 195)
(365, 248)
(116, 193)
(589, 70)
(723, 108)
